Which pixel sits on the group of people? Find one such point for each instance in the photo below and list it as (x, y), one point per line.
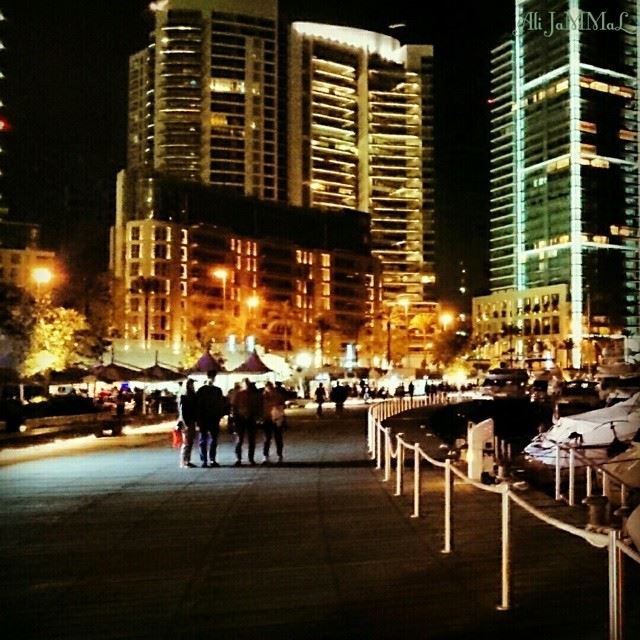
(247, 408)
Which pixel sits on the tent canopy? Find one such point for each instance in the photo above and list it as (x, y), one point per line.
(158, 373)
(115, 373)
(206, 363)
(253, 364)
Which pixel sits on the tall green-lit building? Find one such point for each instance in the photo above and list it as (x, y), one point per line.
(564, 163)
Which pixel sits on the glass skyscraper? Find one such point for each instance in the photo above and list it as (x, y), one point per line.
(564, 164)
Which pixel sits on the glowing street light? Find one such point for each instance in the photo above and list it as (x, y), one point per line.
(222, 274)
(42, 276)
(446, 318)
(253, 302)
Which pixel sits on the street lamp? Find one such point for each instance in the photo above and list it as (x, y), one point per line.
(405, 304)
(446, 318)
(41, 276)
(222, 274)
(252, 302)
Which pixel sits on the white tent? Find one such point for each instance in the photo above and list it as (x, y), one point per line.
(597, 428)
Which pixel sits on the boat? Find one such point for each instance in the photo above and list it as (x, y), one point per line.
(604, 433)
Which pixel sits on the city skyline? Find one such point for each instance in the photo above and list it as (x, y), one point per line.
(66, 101)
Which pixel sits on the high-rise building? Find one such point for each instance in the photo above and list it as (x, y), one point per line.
(4, 126)
(564, 164)
(360, 135)
(186, 256)
(203, 95)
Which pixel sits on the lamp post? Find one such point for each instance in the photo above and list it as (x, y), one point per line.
(405, 303)
(41, 276)
(222, 274)
(446, 318)
(253, 302)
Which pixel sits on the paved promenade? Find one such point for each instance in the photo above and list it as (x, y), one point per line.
(115, 541)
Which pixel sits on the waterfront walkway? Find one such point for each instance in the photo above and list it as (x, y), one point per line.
(118, 542)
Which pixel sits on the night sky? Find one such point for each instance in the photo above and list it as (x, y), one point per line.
(65, 94)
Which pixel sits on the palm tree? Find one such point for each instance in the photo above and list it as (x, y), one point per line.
(284, 326)
(510, 330)
(323, 326)
(425, 324)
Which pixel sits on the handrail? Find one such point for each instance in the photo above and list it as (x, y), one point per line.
(617, 548)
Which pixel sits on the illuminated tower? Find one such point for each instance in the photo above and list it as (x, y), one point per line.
(4, 126)
(565, 161)
(360, 136)
(203, 95)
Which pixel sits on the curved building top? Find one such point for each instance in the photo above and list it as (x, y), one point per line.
(374, 43)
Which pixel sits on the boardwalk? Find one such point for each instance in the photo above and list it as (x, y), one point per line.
(117, 542)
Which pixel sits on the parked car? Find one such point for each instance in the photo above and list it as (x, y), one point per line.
(505, 383)
(623, 389)
(577, 396)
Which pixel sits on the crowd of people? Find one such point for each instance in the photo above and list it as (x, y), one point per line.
(247, 409)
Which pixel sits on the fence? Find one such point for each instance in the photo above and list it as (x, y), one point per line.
(381, 449)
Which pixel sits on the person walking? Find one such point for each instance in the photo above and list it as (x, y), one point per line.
(321, 396)
(247, 410)
(188, 415)
(273, 403)
(211, 408)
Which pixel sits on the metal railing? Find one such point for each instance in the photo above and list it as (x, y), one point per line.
(381, 448)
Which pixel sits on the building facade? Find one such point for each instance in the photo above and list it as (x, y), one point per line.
(203, 95)
(360, 135)
(22, 262)
(564, 165)
(192, 261)
(519, 325)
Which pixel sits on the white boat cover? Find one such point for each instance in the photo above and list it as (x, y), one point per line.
(626, 466)
(599, 428)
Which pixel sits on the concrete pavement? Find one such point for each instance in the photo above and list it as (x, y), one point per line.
(118, 542)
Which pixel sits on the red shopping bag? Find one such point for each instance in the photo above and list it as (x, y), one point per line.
(176, 438)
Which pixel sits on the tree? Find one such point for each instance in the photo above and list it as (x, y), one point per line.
(92, 296)
(449, 345)
(425, 324)
(284, 327)
(323, 326)
(56, 341)
(17, 316)
(511, 331)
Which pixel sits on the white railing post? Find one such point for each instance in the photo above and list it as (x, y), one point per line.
(505, 603)
(416, 481)
(572, 476)
(399, 465)
(623, 495)
(378, 445)
(558, 494)
(605, 484)
(448, 491)
(387, 453)
(615, 586)
(589, 487)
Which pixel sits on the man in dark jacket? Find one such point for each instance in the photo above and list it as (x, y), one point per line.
(247, 410)
(211, 408)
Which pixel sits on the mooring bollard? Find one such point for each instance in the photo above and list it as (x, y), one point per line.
(598, 508)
